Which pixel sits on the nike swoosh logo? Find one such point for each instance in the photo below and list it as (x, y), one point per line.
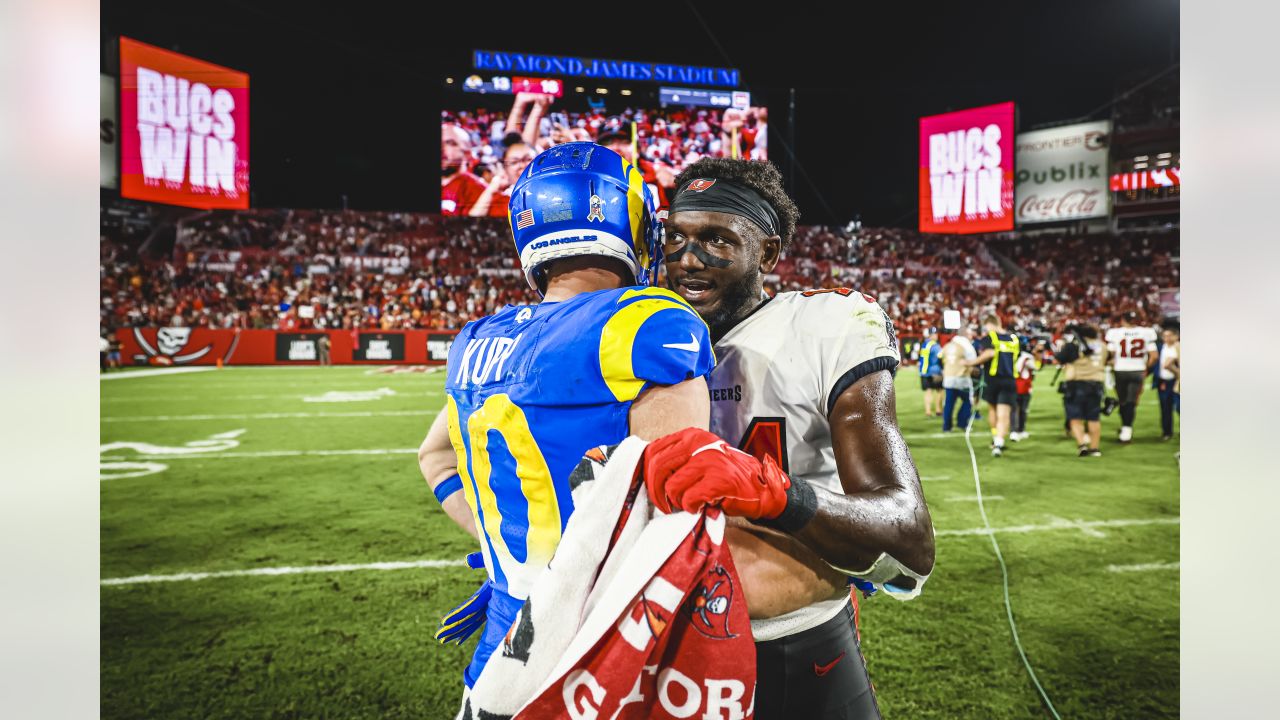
(821, 670)
(691, 346)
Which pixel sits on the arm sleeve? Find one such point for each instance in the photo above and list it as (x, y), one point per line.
(864, 342)
(656, 338)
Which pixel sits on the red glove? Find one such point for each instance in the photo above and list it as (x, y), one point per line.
(692, 468)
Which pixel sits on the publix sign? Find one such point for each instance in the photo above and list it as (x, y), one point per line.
(1062, 173)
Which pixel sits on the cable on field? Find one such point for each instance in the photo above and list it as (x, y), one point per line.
(1004, 570)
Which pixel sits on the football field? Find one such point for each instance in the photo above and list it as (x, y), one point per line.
(269, 550)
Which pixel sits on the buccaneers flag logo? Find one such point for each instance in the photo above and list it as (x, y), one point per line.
(708, 604)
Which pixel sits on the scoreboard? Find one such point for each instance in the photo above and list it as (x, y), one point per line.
(508, 85)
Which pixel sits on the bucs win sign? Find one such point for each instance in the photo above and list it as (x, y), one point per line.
(184, 129)
(966, 170)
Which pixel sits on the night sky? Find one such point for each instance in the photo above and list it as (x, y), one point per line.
(346, 99)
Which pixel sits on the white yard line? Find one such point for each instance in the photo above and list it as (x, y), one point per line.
(153, 372)
(268, 416)
(135, 398)
(1144, 567)
(433, 564)
(934, 478)
(181, 577)
(264, 454)
(972, 498)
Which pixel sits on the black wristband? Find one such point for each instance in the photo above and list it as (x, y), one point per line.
(802, 505)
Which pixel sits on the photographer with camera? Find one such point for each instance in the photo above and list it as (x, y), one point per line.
(1083, 355)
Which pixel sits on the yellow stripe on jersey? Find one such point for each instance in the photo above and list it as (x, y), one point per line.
(455, 439)
(503, 416)
(618, 338)
(654, 292)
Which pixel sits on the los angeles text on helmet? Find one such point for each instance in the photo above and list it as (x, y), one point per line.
(603, 69)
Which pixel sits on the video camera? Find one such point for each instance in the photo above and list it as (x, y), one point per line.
(1077, 334)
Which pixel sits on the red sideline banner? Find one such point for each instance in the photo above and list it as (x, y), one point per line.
(203, 346)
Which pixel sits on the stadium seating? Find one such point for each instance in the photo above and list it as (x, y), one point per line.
(293, 269)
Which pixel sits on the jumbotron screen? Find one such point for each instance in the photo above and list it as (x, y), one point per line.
(966, 170)
(184, 129)
(493, 131)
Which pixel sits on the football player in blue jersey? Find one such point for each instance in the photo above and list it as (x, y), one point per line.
(531, 388)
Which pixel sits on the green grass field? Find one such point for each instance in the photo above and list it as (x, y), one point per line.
(310, 483)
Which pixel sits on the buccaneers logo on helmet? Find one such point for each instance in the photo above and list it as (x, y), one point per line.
(708, 604)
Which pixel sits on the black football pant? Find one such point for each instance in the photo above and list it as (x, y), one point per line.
(1128, 388)
(1018, 419)
(818, 673)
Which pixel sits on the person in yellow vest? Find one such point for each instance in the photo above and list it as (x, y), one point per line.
(997, 352)
(1084, 356)
(930, 366)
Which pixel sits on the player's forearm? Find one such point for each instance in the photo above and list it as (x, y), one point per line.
(852, 531)
(779, 574)
(459, 512)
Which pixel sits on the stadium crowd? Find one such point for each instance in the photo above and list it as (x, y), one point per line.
(483, 152)
(675, 136)
(293, 269)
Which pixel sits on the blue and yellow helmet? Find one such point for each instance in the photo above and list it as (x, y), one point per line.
(583, 199)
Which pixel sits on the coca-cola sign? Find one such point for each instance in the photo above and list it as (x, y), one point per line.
(1062, 173)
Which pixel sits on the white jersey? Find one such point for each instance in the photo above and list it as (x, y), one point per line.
(1129, 346)
(777, 376)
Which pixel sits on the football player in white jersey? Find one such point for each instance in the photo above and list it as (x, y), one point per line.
(804, 384)
(1133, 350)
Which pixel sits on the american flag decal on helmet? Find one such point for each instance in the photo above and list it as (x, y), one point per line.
(524, 219)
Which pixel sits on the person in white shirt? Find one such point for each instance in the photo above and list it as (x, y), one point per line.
(957, 379)
(1133, 350)
(1168, 384)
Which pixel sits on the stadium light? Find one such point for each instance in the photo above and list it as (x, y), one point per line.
(449, 81)
(578, 89)
(626, 92)
(602, 91)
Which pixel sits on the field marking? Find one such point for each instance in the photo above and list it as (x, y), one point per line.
(190, 577)
(1145, 567)
(268, 416)
(1088, 527)
(272, 453)
(930, 436)
(173, 397)
(413, 564)
(343, 396)
(934, 478)
(972, 498)
(152, 372)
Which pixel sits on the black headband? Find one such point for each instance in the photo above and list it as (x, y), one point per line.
(720, 195)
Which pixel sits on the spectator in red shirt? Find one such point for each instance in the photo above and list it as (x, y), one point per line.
(459, 189)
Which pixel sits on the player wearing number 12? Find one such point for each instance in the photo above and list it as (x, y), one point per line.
(532, 388)
(1133, 350)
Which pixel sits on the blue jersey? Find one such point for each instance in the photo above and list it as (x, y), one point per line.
(533, 387)
(931, 359)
